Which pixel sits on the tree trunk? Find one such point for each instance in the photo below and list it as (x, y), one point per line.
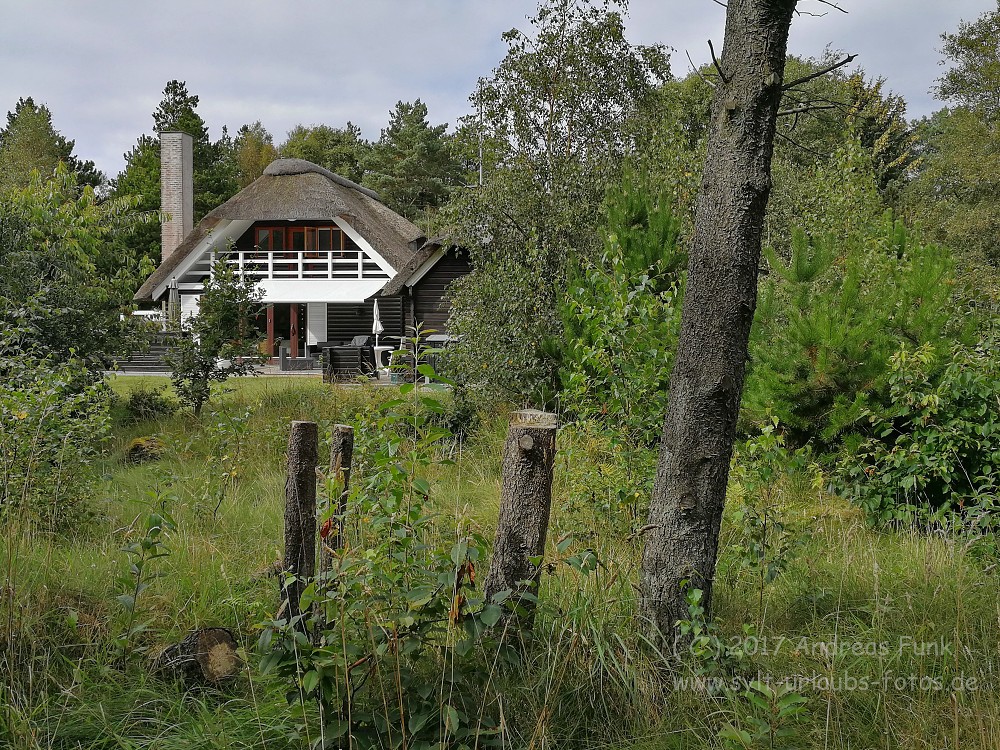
(206, 656)
(719, 302)
(300, 516)
(525, 502)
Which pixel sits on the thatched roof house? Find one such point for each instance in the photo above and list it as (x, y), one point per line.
(322, 247)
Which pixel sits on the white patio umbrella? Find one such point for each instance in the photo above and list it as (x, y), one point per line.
(376, 323)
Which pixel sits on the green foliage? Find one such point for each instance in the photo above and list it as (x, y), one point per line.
(621, 315)
(766, 542)
(936, 451)
(500, 319)
(956, 193)
(228, 434)
(838, 107)
(54, 423)
(973, 56)
(341, 150)
(397, 620)
(769, 718)
(253, 151)
(606, 475)
(552, 127)
(411, 166)
(220, 341)
(62, 291)
(150, 545)
(831, 316)
(29, 143)
(147, 404)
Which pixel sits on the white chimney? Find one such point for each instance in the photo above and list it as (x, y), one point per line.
(176, 189)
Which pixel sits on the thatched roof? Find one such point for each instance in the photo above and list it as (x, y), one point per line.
(295, 189)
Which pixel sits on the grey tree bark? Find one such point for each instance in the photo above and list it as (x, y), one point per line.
(525, 503)
(721, 295)
(300, 515)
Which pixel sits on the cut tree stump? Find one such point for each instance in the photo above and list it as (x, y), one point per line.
(207, 656)
(525, 502)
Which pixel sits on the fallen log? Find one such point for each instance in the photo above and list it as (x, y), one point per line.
(206, 656)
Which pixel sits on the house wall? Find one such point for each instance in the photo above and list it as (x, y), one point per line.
(344, 321)
(315, 323)
(426, 302)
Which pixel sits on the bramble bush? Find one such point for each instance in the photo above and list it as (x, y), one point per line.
(935, 456)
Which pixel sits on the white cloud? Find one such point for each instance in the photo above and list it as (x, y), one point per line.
(100, 65)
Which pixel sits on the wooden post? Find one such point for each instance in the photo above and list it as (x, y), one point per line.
(341, 454)
(300, 514)
(525, 502)
(331, 535)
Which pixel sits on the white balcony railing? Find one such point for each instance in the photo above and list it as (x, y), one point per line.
(300, 264)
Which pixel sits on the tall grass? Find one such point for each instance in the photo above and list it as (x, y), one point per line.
(587, 678)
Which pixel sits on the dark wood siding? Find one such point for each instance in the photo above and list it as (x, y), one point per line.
(429, 301)
(345, 320)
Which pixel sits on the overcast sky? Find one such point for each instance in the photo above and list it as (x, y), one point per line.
(101, 65)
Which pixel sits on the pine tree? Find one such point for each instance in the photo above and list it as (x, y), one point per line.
(411, 165)
(30, 142)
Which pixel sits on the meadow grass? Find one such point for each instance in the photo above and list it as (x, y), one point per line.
(907, 613)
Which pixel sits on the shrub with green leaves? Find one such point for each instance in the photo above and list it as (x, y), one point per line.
(391, 656)
(936, 451)
(220, 341)
(621, 315)
(52, 431)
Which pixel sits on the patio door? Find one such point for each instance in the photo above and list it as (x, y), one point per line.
(286, 328)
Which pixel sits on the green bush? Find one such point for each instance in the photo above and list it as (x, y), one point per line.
(621, 316)
(937, 447)
(146, 404)
(52, 431)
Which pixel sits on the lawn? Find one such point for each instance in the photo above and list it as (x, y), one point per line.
(891, 638)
